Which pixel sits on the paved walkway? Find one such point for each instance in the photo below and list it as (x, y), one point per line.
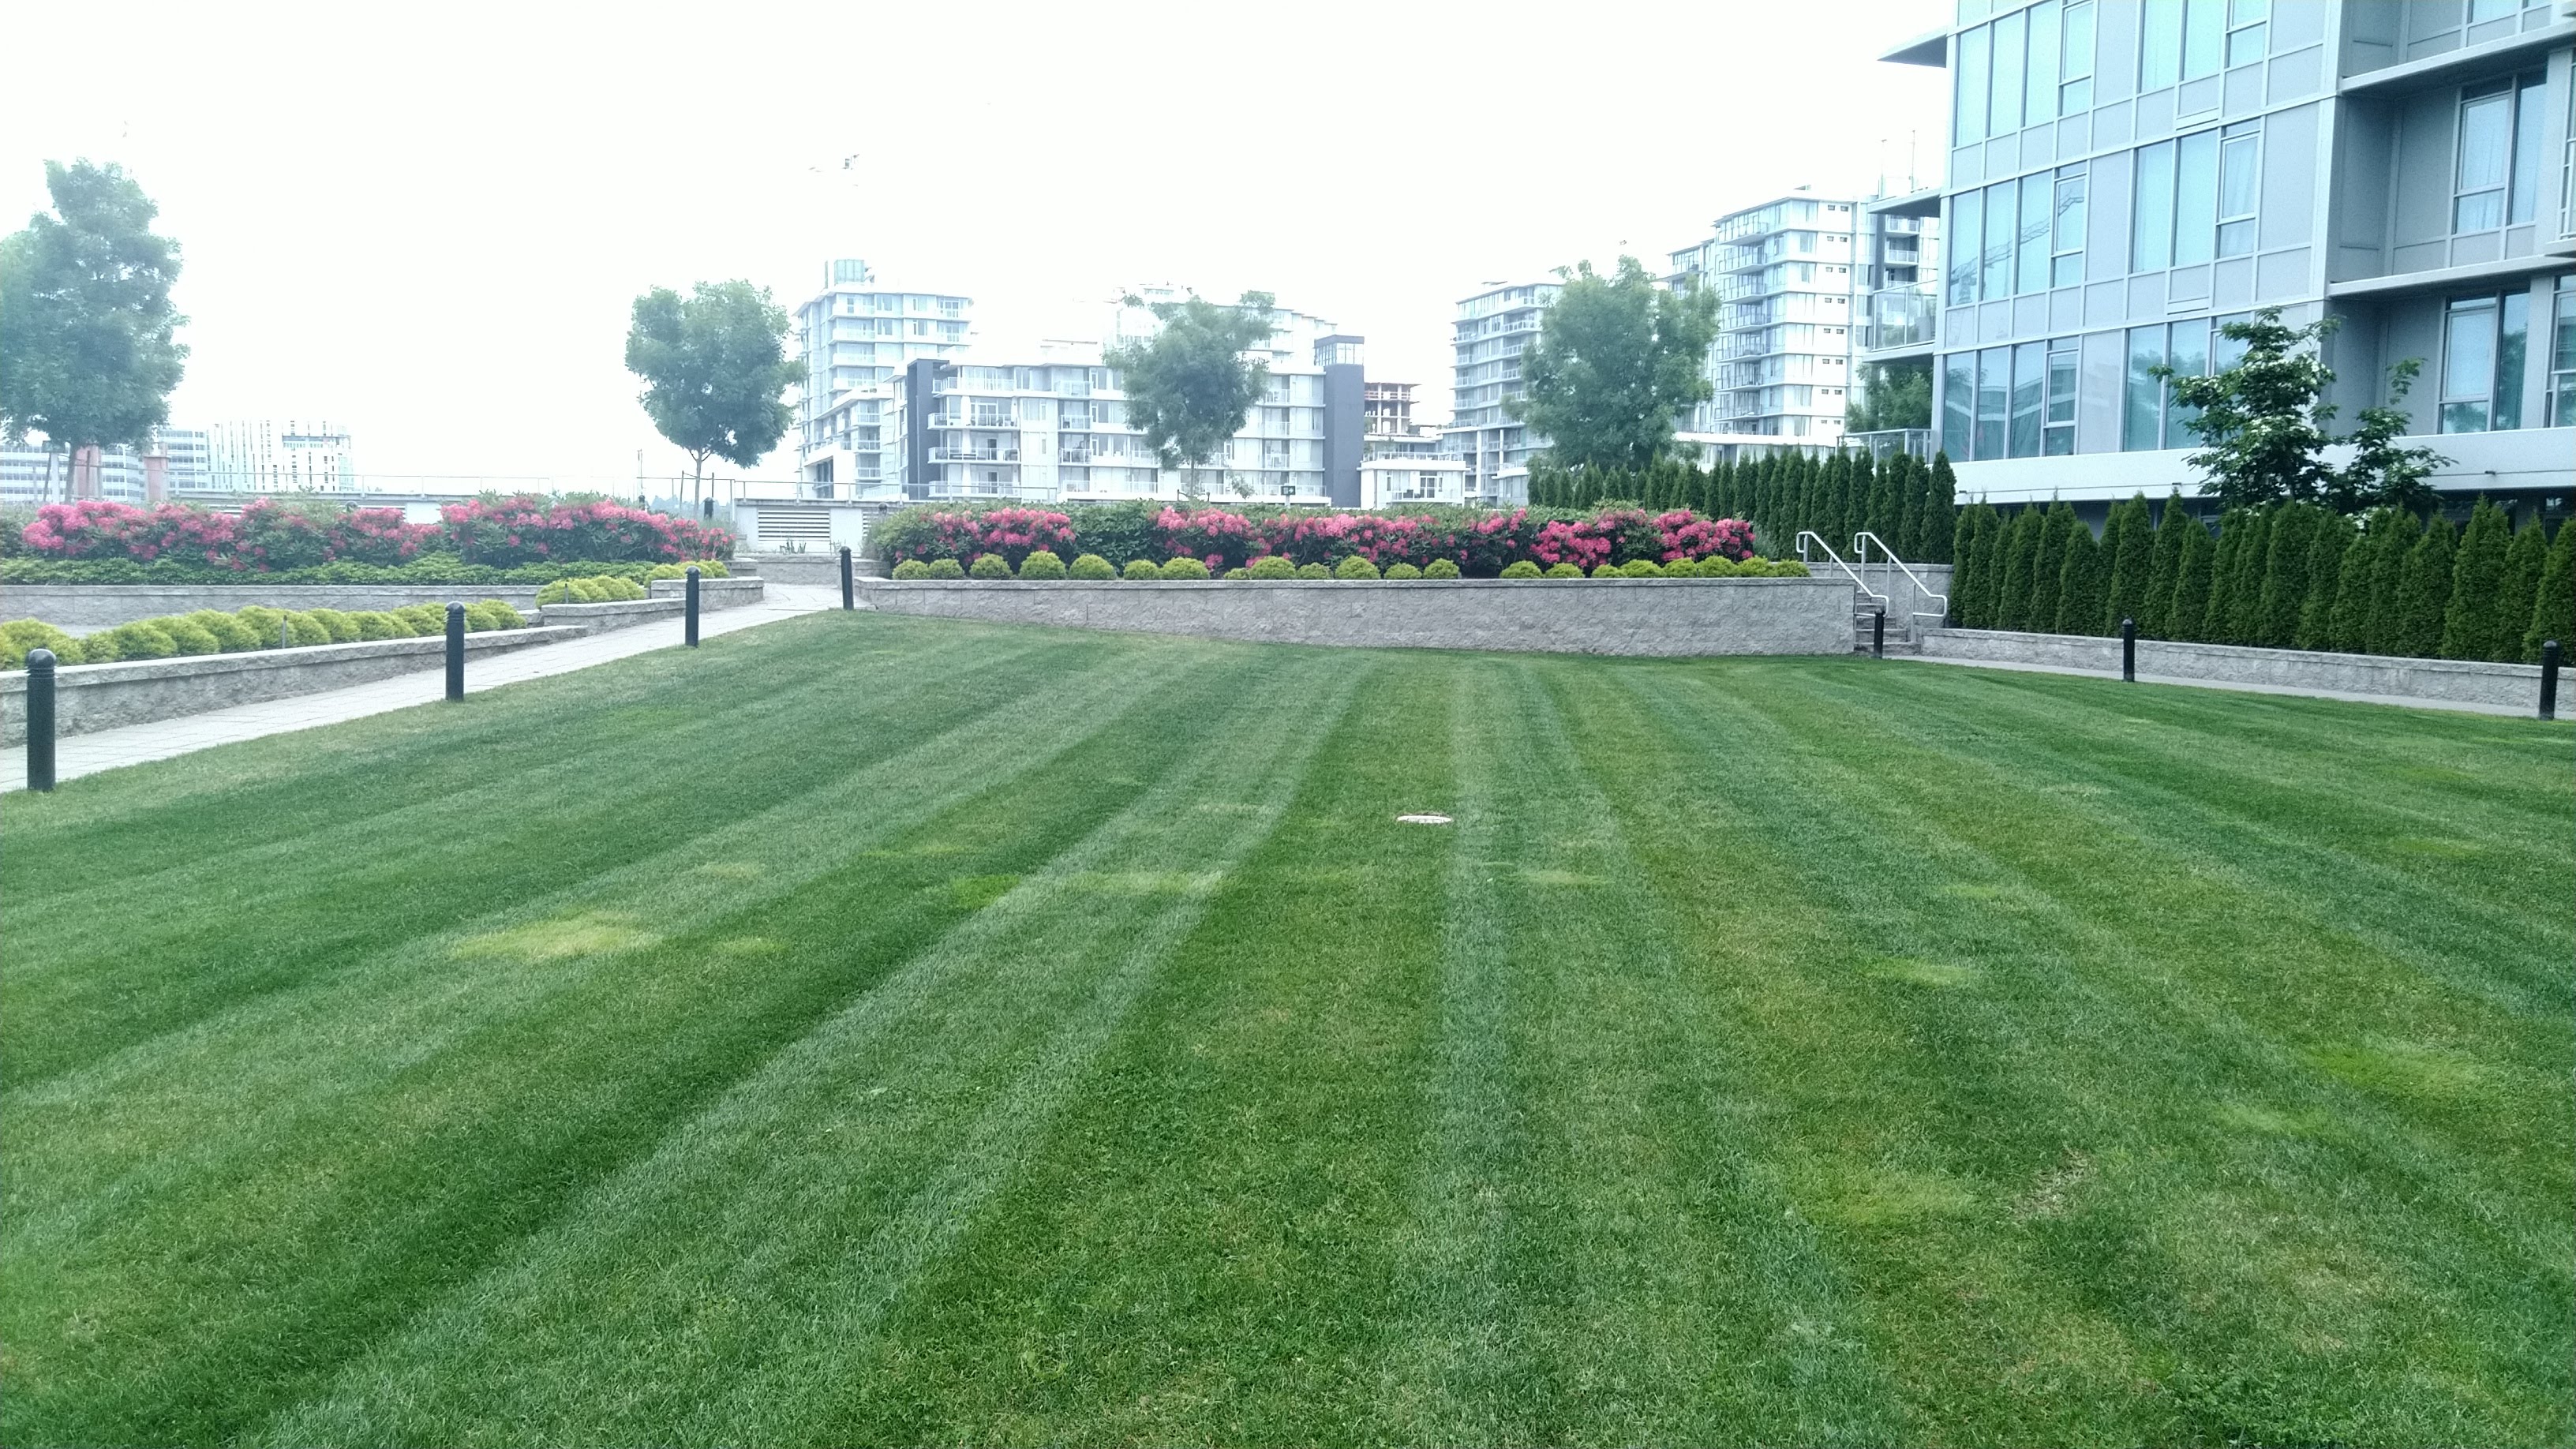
(88, 754)
(2409, 701)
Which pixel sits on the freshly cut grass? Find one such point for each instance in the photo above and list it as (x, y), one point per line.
(878, 1030)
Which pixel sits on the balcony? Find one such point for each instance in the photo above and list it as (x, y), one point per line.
(944, 420)
(974, 455)
(1903, 317)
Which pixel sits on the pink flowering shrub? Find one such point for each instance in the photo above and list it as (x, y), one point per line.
(1014, 533)
(272, 535)
(527, 529)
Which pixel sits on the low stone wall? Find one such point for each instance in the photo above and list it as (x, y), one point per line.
(2512, 686)
(820, 569)
(85, 608)
(1554, 616)
(618, 615)
(91, 697)
(715, 593)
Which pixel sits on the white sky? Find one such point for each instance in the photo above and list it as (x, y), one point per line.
(427, 223)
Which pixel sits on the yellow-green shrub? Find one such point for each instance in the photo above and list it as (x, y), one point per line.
(1093, 566)
(1355, 567)
(1185, 568)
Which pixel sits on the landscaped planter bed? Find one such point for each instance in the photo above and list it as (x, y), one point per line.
(81, 608)
(1552, 616)
(91, 697)
(2515, 686)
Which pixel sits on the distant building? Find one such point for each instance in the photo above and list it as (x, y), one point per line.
(856, 337)
(1491, 329)
(269, 456)
(24, 476)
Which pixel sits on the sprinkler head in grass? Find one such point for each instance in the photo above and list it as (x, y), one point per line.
(1422, 819)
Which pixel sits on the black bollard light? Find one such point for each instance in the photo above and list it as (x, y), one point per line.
(849, 589)
(40, 719)
(2548, 679)
(1878, 634)
(456, 653)
(691, 637)
(2129, 650)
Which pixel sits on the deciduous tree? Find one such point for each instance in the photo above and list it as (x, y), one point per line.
(1189, 386)
(1616, 361)
(715, 370)
(2264, 422)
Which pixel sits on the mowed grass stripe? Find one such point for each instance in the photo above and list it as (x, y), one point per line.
(1204, 1247)
(2088, 1013)
(387, 1176)
(237, 924)
(849, 1164)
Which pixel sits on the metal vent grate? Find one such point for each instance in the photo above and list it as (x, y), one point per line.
(807, 525)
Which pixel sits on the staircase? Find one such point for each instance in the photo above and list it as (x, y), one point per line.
(1885, 585)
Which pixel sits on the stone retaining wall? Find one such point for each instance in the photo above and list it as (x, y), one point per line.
(618, 615)
(2514, 686)
(820, 569)
(1556, 616)
(91, 697)
(85, 608)
(715, 593)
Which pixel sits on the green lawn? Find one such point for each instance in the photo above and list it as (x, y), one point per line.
(869, 1029)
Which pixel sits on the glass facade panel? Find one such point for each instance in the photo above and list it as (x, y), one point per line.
(2238, 167)
(1965, 239)
(1968, 116)
(2513, 344)
(2142, 409)
(1999, 241)
(2530, 127)
(1994, 391)
(2066, 263)
(2060, 438)
(2204, 34)
(2076, 92)
(2151, 217)
(2187, 353)
(1958, 404)
(2031, 268)
(2039, 94)
(2029, 390)
(2195, 197)
(2247, 33)
(2159, 45)
(2486, 141)
(2003, 112)
(2468, 365)
(2561, 403)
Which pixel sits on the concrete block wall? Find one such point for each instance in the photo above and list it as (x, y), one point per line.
(2513, 686)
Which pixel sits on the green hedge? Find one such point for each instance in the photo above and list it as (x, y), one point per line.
(2293, 576)
(210, 631)
(437, 568)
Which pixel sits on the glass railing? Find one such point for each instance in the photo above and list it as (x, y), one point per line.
(1903, 317)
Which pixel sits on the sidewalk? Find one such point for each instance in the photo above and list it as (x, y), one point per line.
(76, 755)
(2406, 701)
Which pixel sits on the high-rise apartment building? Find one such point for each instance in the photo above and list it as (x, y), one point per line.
(1491, 329)
(1789, 274)
(856, 336)
(265, 455)
(2125, 177)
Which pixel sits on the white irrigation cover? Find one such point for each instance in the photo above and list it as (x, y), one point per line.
(1423, 819)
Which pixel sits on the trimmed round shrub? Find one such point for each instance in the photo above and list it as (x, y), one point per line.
(424, 620)
(1787, 568)
(492, 614)
(1355, 567)
(373, 624)
(341, 627)
(945, 568)
(1186, 568)
(263, 622)
(989, 566)
(1313, 571)
(1520, 568)
(1563, 570)
(1441, 568)
(98, 648)
(1093, 566)
(309, 631)
(707, 569)
(1237, 572)
(1273, 566)
(1642, 568)
(1040, 564)
(1140, 568)
(1401, 570)
(232, 635)
(1607, 571)
(20, 635)
(190, 636)
(909, 569)
(142, 639)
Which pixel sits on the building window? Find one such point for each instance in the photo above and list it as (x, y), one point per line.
(2561, 409)
(1996, 276)
(2174, 221)
(2149, 416)
(2530, 119)
(2040, 72)
(2180, 40)
(2003, 113)
(2484, 340)
(1968, 117)
(2484, 157)
(2059, 441)
(2031, 266)
(2151, 214)
(1958, 404)
(2029, 390)
(2066, 240)
(2248, 34)
(1994, 397)
(2195, 208)
(2075, 93)
(2239, 167)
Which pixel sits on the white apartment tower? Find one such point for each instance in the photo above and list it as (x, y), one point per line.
(1791, 275)
(1491, 329)
(857, 337)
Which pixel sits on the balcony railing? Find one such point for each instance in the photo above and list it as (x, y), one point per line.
(974, 455)
(1903, 317)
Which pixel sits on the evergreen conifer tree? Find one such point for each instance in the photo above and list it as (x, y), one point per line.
(2284, 588)
(2387, 572)
(2130, 546)
(1963, 546)
(2218, 623)
(1833, 501)
(2424, 591)
(2158, 600)
(2348, 626)
(2079, 584)
(2524, 560)
(2048, 566)
(1990, 543)
(2020, 556)
(2186, 614)
(2553, 605)
(1940, 498)
(2245, 591)
(2469, 624)
(2326, 549)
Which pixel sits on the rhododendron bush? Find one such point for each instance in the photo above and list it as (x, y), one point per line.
(1480, 542)
(273, 536)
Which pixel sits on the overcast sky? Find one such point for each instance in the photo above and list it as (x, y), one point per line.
(427, 223)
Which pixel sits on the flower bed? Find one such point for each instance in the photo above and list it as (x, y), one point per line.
(1043, 566)
(271, 537)
(1478, 543)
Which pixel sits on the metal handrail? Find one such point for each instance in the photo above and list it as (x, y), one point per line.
(1860, 551)
(1858, 582)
